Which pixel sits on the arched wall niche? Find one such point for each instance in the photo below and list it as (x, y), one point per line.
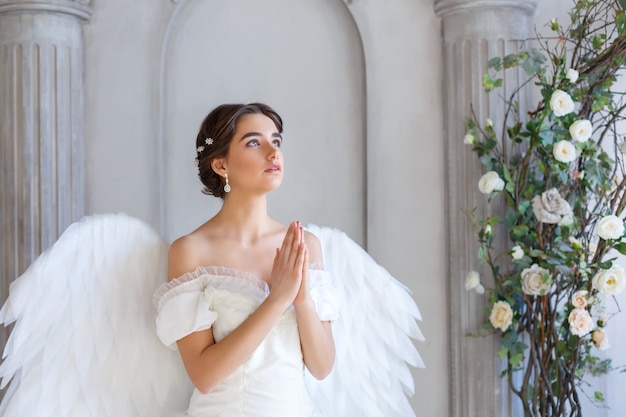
(215, 52)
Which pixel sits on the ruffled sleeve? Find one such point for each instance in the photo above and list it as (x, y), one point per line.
(183, 308)
(325, 295)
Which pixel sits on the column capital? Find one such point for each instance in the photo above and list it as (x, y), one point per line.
(78, 8)
(446, 7)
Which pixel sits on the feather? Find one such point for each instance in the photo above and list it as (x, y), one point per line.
(84, 341)
(373, 336)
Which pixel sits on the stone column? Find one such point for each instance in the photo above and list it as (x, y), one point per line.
(41, 127)
(473, 32)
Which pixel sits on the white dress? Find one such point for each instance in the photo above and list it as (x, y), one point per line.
(271, 383)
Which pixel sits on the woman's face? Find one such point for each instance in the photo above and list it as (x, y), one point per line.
(255, 162)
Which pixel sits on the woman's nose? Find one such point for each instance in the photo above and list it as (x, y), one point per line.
(272, 153)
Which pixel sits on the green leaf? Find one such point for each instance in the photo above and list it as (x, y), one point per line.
(489, 83)
(510, 218)
(598, 396)
(511, 60)
(495, 63)
(502, 352)
(621, 247)
(534, 62)
(516, 360)
(620, 19)
(482, 254)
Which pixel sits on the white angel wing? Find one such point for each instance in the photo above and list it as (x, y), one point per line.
(84, 341)
(377, 321)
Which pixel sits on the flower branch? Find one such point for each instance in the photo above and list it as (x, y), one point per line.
(560, 192)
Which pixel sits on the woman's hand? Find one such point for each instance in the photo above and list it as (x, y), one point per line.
(302, 297)
(289, 264)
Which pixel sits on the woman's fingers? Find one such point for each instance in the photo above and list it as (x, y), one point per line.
(293, 238)
(303, 267)
(295, 244)
(288, 240)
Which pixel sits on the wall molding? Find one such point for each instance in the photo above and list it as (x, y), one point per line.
(80, 9)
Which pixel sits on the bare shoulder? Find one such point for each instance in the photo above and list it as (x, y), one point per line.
(184, 254)
(314, 247)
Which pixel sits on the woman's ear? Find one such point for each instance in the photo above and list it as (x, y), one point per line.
(218, 166)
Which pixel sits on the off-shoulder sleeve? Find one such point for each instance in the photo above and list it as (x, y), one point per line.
(182, 310)
(325, 294)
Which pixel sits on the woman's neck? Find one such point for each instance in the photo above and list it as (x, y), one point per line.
(245, 219)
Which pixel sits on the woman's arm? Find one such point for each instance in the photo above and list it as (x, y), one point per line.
(207, 362)
(316, 338)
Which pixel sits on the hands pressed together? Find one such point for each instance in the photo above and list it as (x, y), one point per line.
(289, 272)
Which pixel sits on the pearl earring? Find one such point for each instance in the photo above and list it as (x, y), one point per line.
(227, 185)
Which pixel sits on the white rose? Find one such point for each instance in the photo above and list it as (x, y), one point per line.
(550, 207)
(564, 151)
(610, 227)
(517, 252)
(572, 75)
(488, 229)
(533, 280)
(501, 315)
(581, 130)
(490, 182)
(580, 322)
(600, 340)
(472, 282)
(469, 139)
(609, 281)
(561, 103)
(489, 122)
(579, 299)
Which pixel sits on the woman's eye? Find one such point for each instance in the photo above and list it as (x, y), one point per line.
(277, 142)
(253, 142)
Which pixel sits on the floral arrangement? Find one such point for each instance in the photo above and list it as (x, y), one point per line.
(556, 181)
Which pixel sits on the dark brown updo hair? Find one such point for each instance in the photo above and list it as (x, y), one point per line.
(219, 126)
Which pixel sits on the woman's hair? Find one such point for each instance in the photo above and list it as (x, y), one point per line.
(216, 133)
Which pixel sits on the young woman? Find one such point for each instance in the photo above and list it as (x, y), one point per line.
(245, 302)
(248, 304)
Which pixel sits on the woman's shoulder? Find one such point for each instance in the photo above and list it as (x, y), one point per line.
(189, 244)
(314, 247)
(188, 252)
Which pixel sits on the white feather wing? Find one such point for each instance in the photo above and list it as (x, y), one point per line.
(84, 340)
(373, 336)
